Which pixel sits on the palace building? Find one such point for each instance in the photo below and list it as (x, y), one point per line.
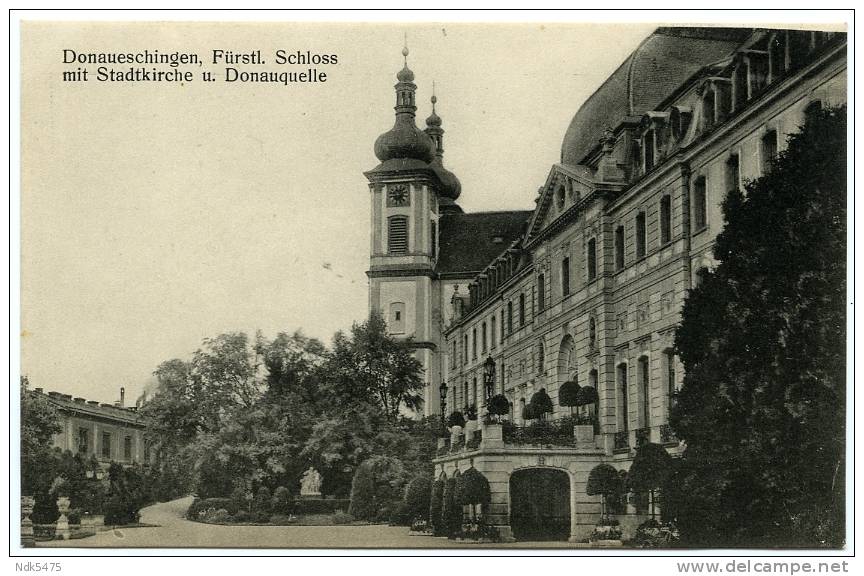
(107, 432)
(588, 286)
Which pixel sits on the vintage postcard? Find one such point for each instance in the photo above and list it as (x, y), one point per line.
(295, 285)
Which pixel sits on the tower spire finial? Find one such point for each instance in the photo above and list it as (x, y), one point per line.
(434, 98)
(405, 49)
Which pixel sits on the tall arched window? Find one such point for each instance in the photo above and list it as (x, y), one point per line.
(592, 332)
(397, 235)
(493, 328)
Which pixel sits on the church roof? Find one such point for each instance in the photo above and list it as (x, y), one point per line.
(660, 65)
(469, 242)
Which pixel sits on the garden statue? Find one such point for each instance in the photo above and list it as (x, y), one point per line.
(62, 529)
(310, 484)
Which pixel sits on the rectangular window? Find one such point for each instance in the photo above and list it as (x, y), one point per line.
(665, 219)
(106, 445)
(592, 259)
(670, 378)
(483, 336)
(769, 151)
(502, 325)
(521, 309)
(541, 293)
(397, 235)
(453, 355)
(492, 329)
(732, 172)
(83, 441)
(622, 399)
(565, 276)
(465, 349)
(474, 344)
(619, 248)
(127, 448)
(700, 214)
(641, 235)
(644, 377)
(510, 317)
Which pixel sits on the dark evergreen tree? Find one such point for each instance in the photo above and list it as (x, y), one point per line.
(763, 339)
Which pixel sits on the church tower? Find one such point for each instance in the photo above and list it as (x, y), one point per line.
(409, 189)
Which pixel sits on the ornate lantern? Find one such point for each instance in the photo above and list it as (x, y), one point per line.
(489, 377)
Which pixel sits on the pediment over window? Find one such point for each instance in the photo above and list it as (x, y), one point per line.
(565, 189)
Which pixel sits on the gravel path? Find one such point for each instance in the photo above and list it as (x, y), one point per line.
(172, 530)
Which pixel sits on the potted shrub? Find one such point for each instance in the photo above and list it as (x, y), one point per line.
(498, 406)
(587, 396)
(568, 395)
(456, 419)
(436, 503)
(649, 471)
(605, 481)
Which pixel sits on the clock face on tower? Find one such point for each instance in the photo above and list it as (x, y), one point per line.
(397, 195)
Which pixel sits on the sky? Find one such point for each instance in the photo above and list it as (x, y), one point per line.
(154, 215)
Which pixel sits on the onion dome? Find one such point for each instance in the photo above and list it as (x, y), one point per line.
(450, 186)
(405, 140)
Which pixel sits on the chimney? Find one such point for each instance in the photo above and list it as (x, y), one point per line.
(38, 390)
(122, 397)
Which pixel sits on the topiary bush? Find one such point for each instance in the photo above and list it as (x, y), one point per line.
(436, 504)
(456, 419)
(376, 490)
(651, 467)
(472, 487)
(451, 512)
(498, 406)
(541, 404)
(262, 504)
(603, 480)
(418, 498)
(281, 500)
(568, 395)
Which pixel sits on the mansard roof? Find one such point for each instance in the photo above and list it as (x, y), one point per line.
(664, 61)
(469, 242)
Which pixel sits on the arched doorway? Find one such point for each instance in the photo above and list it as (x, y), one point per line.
(540, 504)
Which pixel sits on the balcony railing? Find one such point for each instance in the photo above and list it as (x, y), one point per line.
(458, 444)
(541, 433)
(622, 440)
(474, 443)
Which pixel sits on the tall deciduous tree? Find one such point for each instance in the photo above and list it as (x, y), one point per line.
(39, 422)
(371, 366)
(763, 337)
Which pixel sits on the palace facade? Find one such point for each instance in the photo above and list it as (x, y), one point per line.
(588, 286)
(108, 432)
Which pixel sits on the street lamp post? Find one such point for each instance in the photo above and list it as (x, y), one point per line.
(443, 392)
(489, 377)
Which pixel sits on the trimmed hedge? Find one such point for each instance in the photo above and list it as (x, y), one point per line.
(204, 504)
(320, 506)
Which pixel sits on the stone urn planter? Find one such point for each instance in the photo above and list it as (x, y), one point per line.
(62, 530)
(607, 533)
(27, 538)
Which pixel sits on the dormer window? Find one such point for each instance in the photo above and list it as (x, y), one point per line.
(708, 107)
(649, 145)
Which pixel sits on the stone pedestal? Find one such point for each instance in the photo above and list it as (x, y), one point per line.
(493, 436)
(505, 533)
(27, 538)
(584, 434)
(62, 530)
